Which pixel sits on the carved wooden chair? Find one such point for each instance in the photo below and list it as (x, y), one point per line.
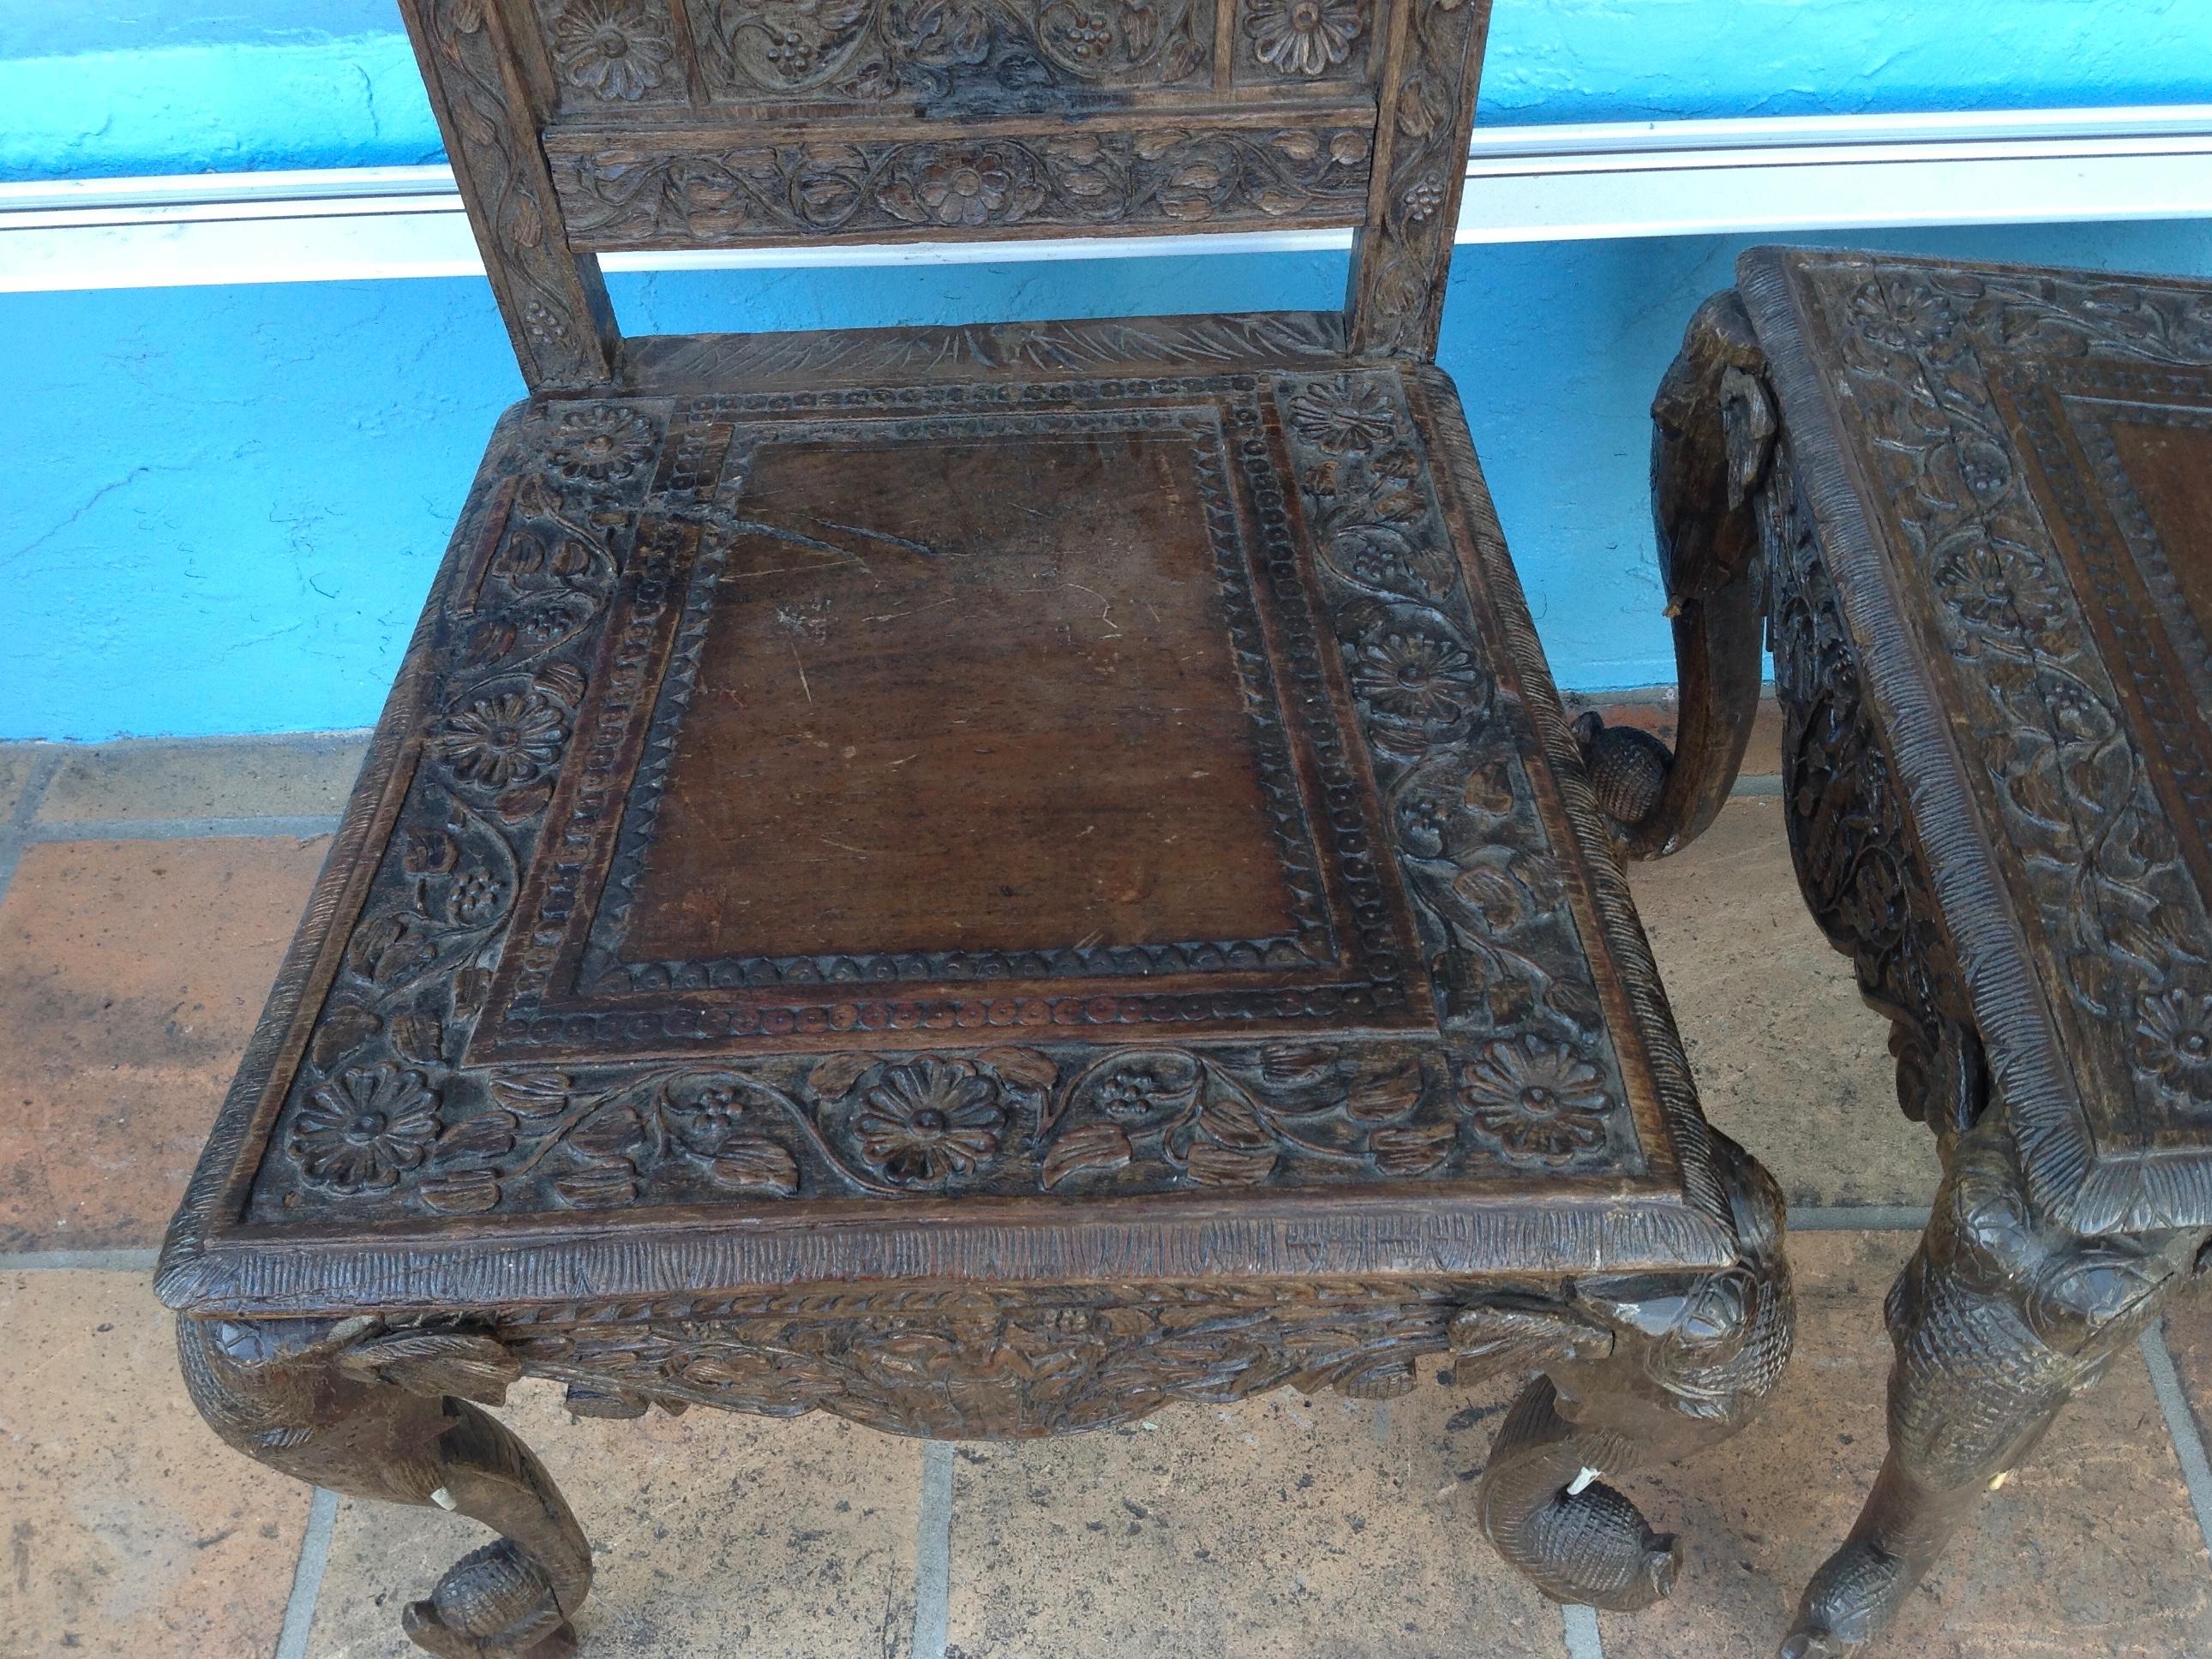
(981, 880)
(1973, 508)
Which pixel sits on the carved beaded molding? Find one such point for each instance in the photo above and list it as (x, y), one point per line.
(567, 569)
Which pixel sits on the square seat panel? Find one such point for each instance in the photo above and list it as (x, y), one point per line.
(1073, 803)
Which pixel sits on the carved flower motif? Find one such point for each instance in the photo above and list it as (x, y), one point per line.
(360, 1130)
(600, 443)
(501, 739)
(1302, 37)
(1349, 416)
(1414, 677)
(612, 50)
(1425, 822)
(2173, 1040)
(1537, 1099)
(928, 1119)
(2076, 714)
(1904, 311)
(1973, 582)
(965, 187)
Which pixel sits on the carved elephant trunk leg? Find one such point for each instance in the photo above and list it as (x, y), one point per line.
(1640, 1371)
(387, 1416)
(2000, 1318)
(1577, 1538)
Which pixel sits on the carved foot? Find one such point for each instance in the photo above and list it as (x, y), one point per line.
(1639, 1370)
(1627, 769)
(1577, 1538)
(1999, 1319)
(387, 1416)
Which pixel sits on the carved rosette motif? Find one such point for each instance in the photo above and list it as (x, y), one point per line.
(616, 51)
(1305, 39)
(2092, 851)
(980, 51)
(644, 197)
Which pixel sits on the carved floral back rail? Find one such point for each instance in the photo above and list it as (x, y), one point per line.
(582, 127)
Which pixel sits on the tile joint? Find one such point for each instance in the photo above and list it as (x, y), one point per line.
(2180, 1425)
(1857, 1218)
(109, 1262)
(305, 827)
(932, 1565)
(307, 1576)
(13, 829)
(1578, 1626)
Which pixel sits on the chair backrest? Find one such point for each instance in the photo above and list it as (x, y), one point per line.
(580, 127)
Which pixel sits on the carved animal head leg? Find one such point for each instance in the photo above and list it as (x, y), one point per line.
(1641, 1370)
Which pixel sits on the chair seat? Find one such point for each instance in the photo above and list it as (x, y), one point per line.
(1076, 804)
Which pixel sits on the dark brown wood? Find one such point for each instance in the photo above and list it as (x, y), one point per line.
(982, 879)
(579, 126)
(1982, 541)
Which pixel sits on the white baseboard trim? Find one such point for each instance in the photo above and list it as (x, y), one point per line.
(1524, 185)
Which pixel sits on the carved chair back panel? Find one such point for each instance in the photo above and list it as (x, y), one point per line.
(673, 123)
(584, 126)
(946, 58)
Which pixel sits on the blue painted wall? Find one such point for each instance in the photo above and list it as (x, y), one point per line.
(109, 87)
(224, 506)
(235, 499)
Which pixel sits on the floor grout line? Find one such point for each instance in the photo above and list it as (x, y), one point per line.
(1857, 1218)
(111, 1262)
(932, 1565)
(1578, 1625)
(307, 1576)
(306, 827)
(14, 832)
(2180, 1425)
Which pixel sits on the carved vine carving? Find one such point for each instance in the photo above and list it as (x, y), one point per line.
(1849, 840)
(558, 314)
(644, 197)
(872, 51)
(1398, 279)
(1474, 854)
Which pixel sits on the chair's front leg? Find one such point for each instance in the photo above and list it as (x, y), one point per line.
(1688, 1361)
(384, 1416)
(1999, 1318)
(1713, 429)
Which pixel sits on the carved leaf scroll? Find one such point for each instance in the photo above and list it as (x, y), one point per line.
(643, 196)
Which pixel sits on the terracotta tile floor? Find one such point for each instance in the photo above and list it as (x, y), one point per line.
(146, 892)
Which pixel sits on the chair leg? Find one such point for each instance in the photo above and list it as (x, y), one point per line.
(1689, 1362)
(376, 1416)
(1999, 1319)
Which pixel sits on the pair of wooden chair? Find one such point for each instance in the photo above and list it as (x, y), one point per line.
(981, 880)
